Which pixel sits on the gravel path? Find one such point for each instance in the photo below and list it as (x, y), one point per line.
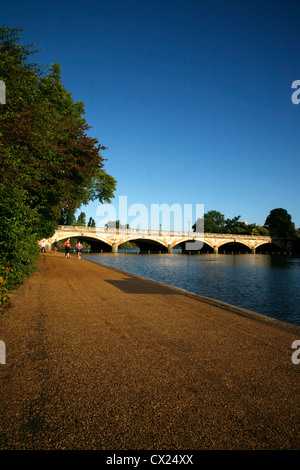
(98, 359)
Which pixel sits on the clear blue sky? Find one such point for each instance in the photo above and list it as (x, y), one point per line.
(192, 98)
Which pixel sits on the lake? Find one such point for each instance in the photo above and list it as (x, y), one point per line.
(267, 284)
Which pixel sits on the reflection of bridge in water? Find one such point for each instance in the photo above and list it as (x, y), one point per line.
(109, 240)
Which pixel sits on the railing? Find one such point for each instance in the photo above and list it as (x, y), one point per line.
(129, 231)
(160, 232)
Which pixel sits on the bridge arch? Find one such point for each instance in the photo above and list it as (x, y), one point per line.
(146, 243)
(235, 247)
(97, 243)
(269, 247)
(182, 241)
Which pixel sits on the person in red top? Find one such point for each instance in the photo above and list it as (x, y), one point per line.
(67, 248)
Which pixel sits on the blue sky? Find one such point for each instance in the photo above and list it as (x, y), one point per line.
(192, 98)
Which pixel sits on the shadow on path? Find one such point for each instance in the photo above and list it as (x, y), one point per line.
(131, 286)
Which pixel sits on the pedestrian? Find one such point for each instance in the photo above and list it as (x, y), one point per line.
(67, 248)
(79, 247)
(43, 246)
(55, 245)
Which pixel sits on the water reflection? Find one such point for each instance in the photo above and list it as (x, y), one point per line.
(268, 284)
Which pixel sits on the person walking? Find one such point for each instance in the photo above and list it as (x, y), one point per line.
(67, 248)
(55, 246)
(79, 247)
(43, 246)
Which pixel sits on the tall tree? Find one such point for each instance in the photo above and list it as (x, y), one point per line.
(279, 223)
(67, 217)
(45, 146)
(81, 220)
(214, 222)
(91, 222)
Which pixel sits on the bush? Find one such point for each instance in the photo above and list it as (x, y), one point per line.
(4, 297)
(18, 239)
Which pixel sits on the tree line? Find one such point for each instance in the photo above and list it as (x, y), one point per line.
(277, 224)
(68, 217)
(49, 162)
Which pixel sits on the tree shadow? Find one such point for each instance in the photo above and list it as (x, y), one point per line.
(133, 285)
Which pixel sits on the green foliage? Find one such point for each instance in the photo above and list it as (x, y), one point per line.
(215, 222)
(91, 222)
(259, 230)
(81, 220)
(18, 240)
(129, 244)
(279, 223)
(4, 297)
(67, 217)
(116, 224)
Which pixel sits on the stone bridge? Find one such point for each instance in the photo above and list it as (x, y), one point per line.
(103, 239)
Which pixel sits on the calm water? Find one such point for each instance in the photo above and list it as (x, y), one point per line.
(267, 284)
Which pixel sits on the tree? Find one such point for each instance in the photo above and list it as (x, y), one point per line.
(235, 225)
(259, 230)
(81, 220)
(67, 217)
(18, 244)
(279, 223)
(116, 224)
(91, 222)
(214, 222)
(49, 165)
(45, 147)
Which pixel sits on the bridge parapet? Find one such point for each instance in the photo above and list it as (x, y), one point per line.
(169, 233)
(68, 228)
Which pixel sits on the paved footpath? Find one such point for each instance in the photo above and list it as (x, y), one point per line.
(99, 359)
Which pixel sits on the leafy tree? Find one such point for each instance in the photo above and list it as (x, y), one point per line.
(18, 244)
(67, 217)
(91, 222)
(81, 220)
(279, 223)
(235, 225)
(259, 230)
(214, 222)
(44, 142)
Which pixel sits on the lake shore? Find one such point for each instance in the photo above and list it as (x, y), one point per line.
(102, 359)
